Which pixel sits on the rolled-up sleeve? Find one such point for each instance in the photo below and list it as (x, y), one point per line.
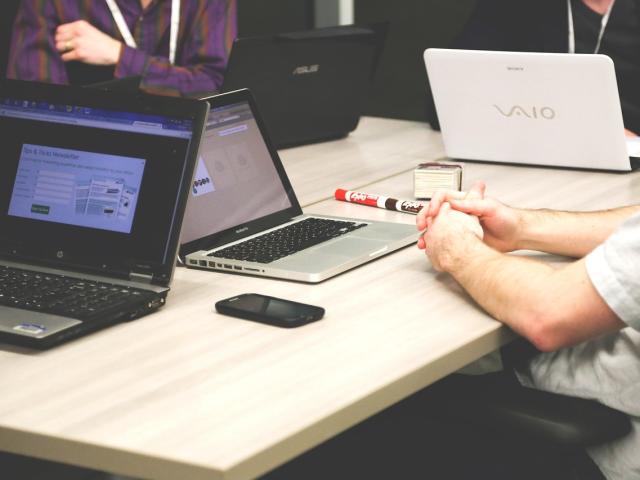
(614, 270)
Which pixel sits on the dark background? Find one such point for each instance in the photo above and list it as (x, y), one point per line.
(400, 87)
(399, 90)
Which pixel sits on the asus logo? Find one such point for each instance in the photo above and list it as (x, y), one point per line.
(547, 113)
(242, 230)
(304, 69)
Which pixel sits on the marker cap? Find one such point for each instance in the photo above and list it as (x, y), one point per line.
(341, 194)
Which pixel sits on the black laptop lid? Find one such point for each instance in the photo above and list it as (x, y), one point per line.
(309, 85)
(95, 181)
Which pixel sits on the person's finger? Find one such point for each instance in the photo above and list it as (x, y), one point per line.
(63, 37)
(421, 243)
(421, 218)
(435, 199)
(476, 207)
(429, 222)
(435, 202)
(65, 46)
(442, 196)
(65, 30)
(477, 190)
(70, 56)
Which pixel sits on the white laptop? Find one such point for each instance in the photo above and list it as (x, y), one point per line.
(243, 215)
(552, 109)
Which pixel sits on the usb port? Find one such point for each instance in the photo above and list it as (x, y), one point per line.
(155, 303)
(203, 263)
(228, 266)
(212, 264)
(193, 262)
(237, 268)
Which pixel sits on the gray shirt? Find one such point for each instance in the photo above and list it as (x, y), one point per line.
(606, 369)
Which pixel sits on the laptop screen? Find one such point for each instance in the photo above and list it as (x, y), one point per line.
(236, 179)
(89, 184)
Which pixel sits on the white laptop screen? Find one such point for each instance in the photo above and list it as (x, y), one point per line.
(236, 179)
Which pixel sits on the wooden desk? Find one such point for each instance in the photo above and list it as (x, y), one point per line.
(379, 148)
(186, 393)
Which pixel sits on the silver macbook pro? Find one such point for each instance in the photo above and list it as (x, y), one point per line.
(243, 215)
(551, 109)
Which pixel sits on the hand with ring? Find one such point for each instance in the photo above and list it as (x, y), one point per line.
(82, 42)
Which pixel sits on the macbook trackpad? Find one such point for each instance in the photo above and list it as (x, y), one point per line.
(350, 247)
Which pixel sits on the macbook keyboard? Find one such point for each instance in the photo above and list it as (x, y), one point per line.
(62, 295)
(286, 241)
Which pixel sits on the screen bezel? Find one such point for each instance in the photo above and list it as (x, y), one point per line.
(181, 108)
(247, 229)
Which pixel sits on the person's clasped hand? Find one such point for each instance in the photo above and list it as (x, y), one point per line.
(446, 232)
(501, 224)
(80, 41)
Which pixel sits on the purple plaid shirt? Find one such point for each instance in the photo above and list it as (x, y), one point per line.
(207, 29)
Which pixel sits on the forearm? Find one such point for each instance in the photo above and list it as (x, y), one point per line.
(159, 76)
(573, 234)
(551, 307)
(483, 273)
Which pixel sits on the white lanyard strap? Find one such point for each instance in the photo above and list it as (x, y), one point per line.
(126, 33)
(603, 27)
(175, 25)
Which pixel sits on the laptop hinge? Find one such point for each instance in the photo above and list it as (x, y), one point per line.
(140, 277)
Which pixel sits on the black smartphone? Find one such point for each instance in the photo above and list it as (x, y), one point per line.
(269, 310)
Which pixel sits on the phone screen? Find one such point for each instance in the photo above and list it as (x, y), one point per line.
(271, 310)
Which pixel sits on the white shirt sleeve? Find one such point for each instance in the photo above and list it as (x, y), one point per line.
(614, 270)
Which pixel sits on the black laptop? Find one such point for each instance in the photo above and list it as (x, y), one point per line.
(94, 188)
(311, 85)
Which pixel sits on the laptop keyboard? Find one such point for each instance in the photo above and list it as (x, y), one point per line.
(62, 295)
(286, 241)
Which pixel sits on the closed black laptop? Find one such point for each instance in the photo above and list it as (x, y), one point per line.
(310, 85)
(94, 188)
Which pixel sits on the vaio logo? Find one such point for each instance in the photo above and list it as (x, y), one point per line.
(534, 113)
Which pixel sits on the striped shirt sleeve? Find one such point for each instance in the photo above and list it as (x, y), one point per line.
(32, 55)
(203, 50)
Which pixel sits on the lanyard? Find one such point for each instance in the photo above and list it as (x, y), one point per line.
(603, 27)
(126, 33)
